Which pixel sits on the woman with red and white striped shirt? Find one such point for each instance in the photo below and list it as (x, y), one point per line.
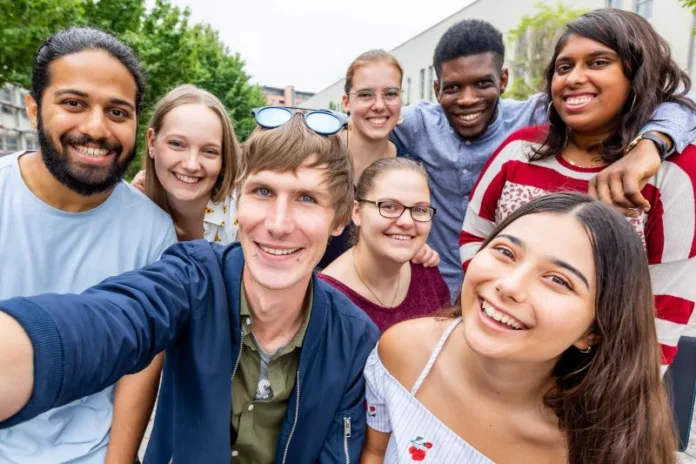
(609, 72)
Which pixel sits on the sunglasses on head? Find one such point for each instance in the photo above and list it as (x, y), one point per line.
(323, 122)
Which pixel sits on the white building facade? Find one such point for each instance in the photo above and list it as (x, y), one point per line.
(671, 20)
(16, 131)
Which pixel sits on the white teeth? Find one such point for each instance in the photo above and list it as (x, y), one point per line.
(576, 101)
(187, 179)
(278, 251)
(401, 237)
(89, 151)
(469, 117)
(500, 317)
(378, 121)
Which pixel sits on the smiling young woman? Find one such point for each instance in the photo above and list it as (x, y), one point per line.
(551, 351)
(191, 164)
(609, 72)
(392, 215)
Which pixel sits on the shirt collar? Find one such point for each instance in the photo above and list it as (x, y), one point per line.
(298, 338)
(215, 213)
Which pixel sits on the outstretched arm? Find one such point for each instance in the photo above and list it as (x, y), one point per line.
(80, 344)
(17, 373)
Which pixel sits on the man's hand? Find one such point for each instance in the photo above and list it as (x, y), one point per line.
(139, 181)
(620, 183)
(427, 257)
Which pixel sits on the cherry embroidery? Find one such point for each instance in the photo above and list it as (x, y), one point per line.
(419, 448)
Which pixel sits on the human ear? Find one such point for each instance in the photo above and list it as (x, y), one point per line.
(587, 341)
(150, 135)
(32, 108)
(504, 77)
(355, 215)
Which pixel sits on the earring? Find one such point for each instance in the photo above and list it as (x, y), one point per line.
(586, 350)
(633, 104)
(400, 120)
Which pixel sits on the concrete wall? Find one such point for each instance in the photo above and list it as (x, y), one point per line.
(670, 19)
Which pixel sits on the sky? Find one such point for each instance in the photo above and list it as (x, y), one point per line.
(310, 43)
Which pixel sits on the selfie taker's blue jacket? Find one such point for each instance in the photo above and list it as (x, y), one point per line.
(188, 304)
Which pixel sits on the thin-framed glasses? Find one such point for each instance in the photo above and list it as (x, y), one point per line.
(393, 210)
(390, 95)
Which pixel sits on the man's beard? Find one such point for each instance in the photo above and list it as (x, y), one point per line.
(83, 180)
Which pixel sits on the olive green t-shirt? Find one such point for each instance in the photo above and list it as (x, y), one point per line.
(261, 389)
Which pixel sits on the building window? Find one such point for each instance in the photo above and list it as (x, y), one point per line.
(408, 90)
(614, 3)
(645, 8)
(11, 143)
(422, 84)
(6, 94)
(431, 79)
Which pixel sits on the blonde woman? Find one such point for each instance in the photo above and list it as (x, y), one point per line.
(191, 164)
(373, 100)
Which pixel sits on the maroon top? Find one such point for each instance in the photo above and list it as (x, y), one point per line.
(427, 294)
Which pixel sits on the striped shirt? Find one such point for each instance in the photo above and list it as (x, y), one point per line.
(416, 434)
(668, 230)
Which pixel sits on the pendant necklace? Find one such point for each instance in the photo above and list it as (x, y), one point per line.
(398, 281)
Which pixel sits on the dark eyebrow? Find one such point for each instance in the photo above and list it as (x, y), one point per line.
(513, 239)
(570, 268)
(601, 52)
(80, 93)
(592, 55)
(557, 262)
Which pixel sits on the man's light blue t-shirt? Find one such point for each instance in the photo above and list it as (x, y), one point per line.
(46, 250)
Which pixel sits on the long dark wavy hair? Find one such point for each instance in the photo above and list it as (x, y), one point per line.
(647, 63)
(610, 403)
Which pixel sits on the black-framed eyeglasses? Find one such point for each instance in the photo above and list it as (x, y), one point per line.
(390, 95)
(323, 122)
(393, 210)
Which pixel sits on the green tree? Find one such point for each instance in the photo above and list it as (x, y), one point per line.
(25, 25)
(690, 4)
(533, 41)
(171, 50)
(222, 73)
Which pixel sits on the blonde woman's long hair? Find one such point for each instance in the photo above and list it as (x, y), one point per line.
(231, 151)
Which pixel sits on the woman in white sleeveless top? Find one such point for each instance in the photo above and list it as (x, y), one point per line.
(550, 356)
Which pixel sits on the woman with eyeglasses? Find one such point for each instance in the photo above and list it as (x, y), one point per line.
(608, 73)
(191, 164)
(392, 217)
(373, 100)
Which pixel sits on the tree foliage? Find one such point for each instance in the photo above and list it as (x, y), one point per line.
(690, 4)
(172, 51)
(533, 41)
